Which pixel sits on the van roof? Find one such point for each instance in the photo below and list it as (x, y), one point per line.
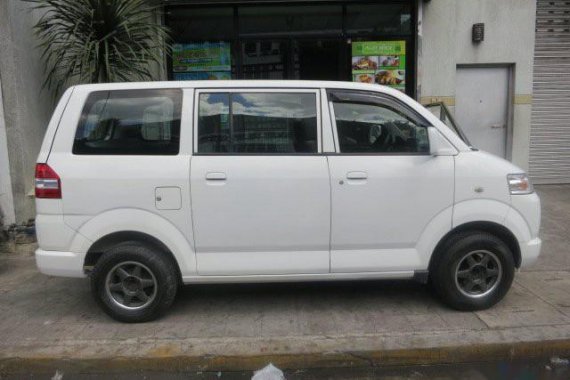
(236, 83)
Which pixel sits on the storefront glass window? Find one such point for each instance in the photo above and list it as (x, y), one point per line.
(290, 20)
(346, 40)
(265, 59)
(201, 24)
(376, 19)
(318, 59)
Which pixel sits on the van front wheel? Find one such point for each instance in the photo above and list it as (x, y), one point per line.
(134, 283)
(473, 271)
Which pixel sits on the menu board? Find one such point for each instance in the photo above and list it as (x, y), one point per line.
(201, 61)
(381, 62)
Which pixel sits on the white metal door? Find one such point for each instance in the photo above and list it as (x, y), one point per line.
(259, 214)
(481, 107)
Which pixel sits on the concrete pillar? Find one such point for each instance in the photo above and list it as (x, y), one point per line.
(7, 213)
(26, 107)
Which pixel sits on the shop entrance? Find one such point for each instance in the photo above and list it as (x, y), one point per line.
(311, 59)
(268, 59)
(357, 40)
(320, 59)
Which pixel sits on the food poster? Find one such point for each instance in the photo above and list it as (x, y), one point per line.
(201, 61)
(381, 62)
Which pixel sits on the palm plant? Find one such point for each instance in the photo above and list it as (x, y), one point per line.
(95, 41)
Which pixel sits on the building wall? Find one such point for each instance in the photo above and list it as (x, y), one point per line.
(509, 39)
(26, 107)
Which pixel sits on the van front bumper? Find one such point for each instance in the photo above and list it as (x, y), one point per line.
(530, 252)
(56, 263)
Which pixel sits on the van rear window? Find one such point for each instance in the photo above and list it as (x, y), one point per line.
(130, 122)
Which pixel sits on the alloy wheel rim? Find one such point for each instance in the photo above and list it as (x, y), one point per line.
(131, 285)
(478, 273)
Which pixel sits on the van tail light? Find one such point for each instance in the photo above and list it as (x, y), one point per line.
(48, 184)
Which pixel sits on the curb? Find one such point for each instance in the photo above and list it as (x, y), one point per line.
(160, 360)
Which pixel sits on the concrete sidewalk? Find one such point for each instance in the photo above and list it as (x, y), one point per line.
(53, 323)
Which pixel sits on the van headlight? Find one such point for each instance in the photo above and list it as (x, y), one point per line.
(519, 184)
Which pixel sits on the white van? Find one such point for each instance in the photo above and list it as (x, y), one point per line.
(145, 186)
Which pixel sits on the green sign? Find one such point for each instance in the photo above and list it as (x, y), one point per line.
(212, 57)
(379, 48)
(380, 62)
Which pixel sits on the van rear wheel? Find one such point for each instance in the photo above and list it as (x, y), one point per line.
(133, 282)
(473, 271)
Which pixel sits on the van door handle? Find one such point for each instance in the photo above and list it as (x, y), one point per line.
(356, 175)
(216, 176)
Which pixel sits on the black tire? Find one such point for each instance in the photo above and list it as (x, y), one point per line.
(461, 282)
(153, 266)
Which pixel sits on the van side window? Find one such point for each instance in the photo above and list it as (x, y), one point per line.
(130, 122)
(257, 122)
(376, 128)
(214, 123)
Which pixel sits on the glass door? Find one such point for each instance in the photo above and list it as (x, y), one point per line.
(265, 59)
(319, 59)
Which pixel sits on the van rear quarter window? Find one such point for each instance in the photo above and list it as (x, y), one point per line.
(130, 122)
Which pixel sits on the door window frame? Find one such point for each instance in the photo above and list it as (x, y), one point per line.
(373, 99)
(316, 92)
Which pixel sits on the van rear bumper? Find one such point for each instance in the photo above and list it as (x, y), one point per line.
(57, 263)
(530, 252)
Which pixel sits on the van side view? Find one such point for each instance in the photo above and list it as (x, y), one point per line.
(145, 186)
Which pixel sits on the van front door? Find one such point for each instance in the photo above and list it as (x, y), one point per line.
(260, 190)
(386, 188)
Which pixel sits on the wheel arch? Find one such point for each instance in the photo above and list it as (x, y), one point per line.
(104, 243)
(134, 224)
(493, 228)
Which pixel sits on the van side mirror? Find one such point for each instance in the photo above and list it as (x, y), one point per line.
(438, 145)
